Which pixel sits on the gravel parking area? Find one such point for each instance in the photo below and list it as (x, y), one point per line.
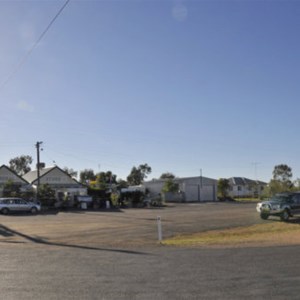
(114, 255)
(126, 227)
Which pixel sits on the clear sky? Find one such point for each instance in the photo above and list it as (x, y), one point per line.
(180, 85)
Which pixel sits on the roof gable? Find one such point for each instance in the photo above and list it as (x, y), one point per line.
(7, 174)
(51, 175)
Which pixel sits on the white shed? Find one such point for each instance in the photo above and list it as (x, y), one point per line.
(191, 189)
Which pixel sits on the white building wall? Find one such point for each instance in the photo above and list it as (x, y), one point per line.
(56, 177)
(190, 188)
(6, 175)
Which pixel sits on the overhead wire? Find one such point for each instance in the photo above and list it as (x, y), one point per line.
(25, 57)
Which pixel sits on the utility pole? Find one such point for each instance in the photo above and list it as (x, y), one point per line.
(200, 186)
(37, 145)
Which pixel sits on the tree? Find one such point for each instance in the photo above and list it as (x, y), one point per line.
(103, 179)
(167, 175)
(296, 184)
(21, 164)
(10, 189)
(170, 186)
(87, 175)
(274, 187)
(223, 187)
(46, 195)
(122, 184)
(137, 175)
(70, 171)
(281, 182)
(283, 173)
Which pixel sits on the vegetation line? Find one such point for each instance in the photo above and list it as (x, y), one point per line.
(269, 232)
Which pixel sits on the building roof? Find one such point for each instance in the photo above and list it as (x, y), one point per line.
(32, 176)
(14, 173)
(244, 181)
(182, 179)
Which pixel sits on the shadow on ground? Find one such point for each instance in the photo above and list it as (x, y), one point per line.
(8, 232)
(56, 211)
(293, 220)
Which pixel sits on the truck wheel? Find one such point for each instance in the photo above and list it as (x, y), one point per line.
(5, 211)
(285, 215)
(264, 216)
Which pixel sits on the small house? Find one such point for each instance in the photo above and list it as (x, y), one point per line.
(244, 187)
(9, 176)
(59, 180)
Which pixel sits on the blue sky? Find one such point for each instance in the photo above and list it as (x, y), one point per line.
(180, 85)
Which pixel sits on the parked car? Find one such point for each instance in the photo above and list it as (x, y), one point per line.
(284, 205)
(8, 205)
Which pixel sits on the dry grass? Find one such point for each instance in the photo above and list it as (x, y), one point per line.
(278, 233)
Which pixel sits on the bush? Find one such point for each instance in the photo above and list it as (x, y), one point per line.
(136, 198)
(114, 198)
(46, 195)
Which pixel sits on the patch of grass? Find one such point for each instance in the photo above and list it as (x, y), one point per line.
(240, 235)
(247, 199)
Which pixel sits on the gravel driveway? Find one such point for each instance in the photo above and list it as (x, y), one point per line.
(124, 228)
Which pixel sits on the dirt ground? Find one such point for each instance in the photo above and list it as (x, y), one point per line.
(126, 227)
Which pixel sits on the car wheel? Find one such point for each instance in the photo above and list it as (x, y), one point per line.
(264, 216)
(5, 211)
(285, 215)
(33, 210)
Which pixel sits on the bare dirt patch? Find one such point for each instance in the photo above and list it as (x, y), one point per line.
(138, 227)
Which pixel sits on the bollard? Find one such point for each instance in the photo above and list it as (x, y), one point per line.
(107, 205)
(159, 228)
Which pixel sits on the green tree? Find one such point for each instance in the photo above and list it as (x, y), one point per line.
(281, 182)
(170, 186)
(101, 181)
(223, 187)
(11, 189)
(46, 195)
(122, 184)
(21, 164)
(139, 174)
(105, 179)
(167, 175)
(296, 184)
(87, 175)
(274, 187)
(283, 173)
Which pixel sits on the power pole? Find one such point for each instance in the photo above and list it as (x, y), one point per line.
(37, 145)
(200, 186)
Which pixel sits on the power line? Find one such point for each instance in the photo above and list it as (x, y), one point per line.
(25, 57)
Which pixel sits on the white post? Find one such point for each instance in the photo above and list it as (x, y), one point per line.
(107, 205)
(159, 229)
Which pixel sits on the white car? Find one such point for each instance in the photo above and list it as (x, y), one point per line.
(8, 205)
